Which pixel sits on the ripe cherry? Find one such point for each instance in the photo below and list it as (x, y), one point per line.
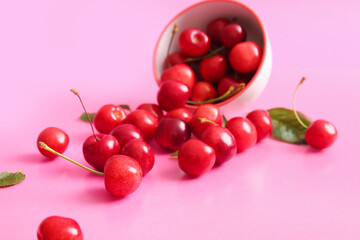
(262, 122)
(208, 111)
(181, 73)
(245, 57)
(196, 157)
(193, 42)
(108, 117)
(215, 27)
(172, 133)
(213, 68)
(139, 150)
(243, 131)
(226, 82)
(180, 113)
(126, 132)
(174, 58)
(153, 108)
(232, 34)
(203, 91)
(172, 94)
(55, 138)
(59, 228)
(145, 121)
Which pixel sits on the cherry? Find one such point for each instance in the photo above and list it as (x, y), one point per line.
(222, 141)
(174, 58)
(55, 138)
(145, 121)
(108, 117)
(139, 150)
(172, 133)
(213, 68)
(59, 228)
(196, 157)
(172, 94)
(226, 82)
(215, 27)
(243, 131)
(245, 57)
(232, 34)
(153, 108)
(181, 73)
(180, 113)
(126, 132)
(202, 91)
(262, 122)
(193, 42)
(208, 111)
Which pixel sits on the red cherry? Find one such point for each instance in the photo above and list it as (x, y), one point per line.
(213, 68)
(208, 111)
(172, 94)
(180, 113)
(203, 91)
(262, 122)
(232, 34)
(321, 134)
(108, 117)
(55, 138)
(243, 131)
(145, 121)
(193, 42)
(59, 228)
(175, 58)
(214, 29)
(122, 175)
(222, 141)
(124, 133)
(196, 157)
(226, 82)
(181, 73)
(172, 133)
(97, 152)
(153, 108)
(245, 57)
(139, 150)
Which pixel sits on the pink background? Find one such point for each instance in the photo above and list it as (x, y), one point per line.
(104, 50)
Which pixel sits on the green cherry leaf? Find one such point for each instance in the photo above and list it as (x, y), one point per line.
(8, 179)
(286, 127)
(85, 119)
(224, 121)
(125, 106)
(175, 154)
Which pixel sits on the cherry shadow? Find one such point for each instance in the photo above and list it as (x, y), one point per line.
(96, 195)
(33, 158)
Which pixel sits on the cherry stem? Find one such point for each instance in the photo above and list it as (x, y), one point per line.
(210, 54)
(294, 109)
(175, 29)
(231, 91)
(46, 147)
(205, 120)
(87, 115)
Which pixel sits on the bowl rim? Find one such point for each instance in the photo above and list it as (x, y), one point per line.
(264, 50)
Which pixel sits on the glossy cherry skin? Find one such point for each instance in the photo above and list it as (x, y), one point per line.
(181, 73)
(59, 228)
(153, 108)
(214, 29)
(122, 175)
(108, 117)
(321, 134)
(172, 94)
(175, 58)
(226, 82)
(222, 141)
(208, 111)
(55, 138)
(203, 91)
(145, 121)
(126, 132)
(172, 133)
(196, 157)
(96, 153)
(232, 34)
(262, 122)
(180, 113)
(243, 131)
(213, 68)
(139, 150)
(193, 42)
(245, 57)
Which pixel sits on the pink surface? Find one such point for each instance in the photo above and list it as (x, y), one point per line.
(104, 50)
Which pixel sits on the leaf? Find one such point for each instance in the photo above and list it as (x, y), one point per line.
(125, 106)
(84, 117)
(8, 179)
(286, 127)
(175, 154)
(224, 121)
